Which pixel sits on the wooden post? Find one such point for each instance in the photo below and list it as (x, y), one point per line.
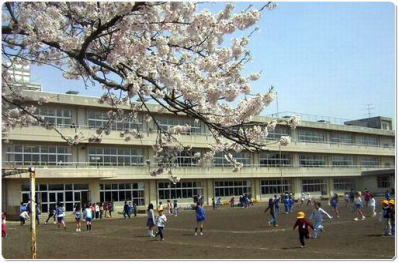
(33, 210)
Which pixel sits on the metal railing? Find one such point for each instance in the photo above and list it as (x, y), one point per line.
(14, 164)
(208, 135)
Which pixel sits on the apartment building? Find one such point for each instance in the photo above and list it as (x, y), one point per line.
(323, 158)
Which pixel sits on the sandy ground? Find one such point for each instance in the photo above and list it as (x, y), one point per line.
(229, 233)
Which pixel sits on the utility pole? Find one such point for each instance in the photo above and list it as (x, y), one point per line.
(32, 176)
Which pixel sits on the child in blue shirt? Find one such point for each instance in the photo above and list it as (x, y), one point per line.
(201, 217)
(286, 205)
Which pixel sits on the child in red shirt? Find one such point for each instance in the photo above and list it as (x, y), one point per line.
(303, 227)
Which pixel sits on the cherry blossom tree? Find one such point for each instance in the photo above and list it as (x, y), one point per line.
(167, 53)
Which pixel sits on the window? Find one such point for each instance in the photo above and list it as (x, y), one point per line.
(305, 135)
(99, 119)
(167, 122)
(186, 158)
(180, 190)
(48, 195)
(115, 156)
(370, 161)
(344, 184)
(342, 160)
(368, 140)
(242, 157)
(230, 188)
(39, 154)
(275, 186)
(131, 192)
(278, 132)
(275, 159)
(342, 138)
(314, 185)
(383, 182)
(312, 160)
(56, 116)
(385, 125)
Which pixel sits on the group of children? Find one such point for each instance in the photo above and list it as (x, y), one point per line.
(161, 220)
(129, 209)
(387, 214)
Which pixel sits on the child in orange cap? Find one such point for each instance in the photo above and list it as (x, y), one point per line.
(303, 227)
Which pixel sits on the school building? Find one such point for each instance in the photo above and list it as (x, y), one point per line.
(325, 157)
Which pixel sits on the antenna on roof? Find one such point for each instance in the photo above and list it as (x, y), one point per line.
(369, 107)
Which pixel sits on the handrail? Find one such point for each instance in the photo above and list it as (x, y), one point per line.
(142, 165)
(189, 133)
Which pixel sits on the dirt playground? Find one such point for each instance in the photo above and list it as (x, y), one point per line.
(230, 233)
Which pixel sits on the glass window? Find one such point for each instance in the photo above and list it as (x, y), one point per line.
(242, 157)
(179, 190)
(383, 182)
(229, 188)
(99, 119)
(344, 184)
(311, 135)
(275, 159)
(342, 160)
(275, 186)
(308, 160)
(115, 156)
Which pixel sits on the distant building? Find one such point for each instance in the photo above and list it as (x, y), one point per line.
(21, 76)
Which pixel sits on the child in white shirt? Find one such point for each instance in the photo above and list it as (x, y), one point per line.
(358, 206)
(372, 206)
(317, 219)
(161, 222)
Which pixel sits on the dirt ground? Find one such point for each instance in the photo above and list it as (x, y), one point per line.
(229, 233)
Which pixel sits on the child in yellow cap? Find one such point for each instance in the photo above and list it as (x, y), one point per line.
(303, 227)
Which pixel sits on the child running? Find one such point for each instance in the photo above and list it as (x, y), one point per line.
(60, 216)
(200, 216)
(150, 219)
(317, 219)
(161, 222)
(358, 206)
(303, 227)
(78, 214)
(88, 216)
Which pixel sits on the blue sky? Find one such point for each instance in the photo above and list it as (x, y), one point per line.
(328, 59)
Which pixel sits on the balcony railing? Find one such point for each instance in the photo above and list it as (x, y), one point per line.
(91, 165)
(208, 135)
